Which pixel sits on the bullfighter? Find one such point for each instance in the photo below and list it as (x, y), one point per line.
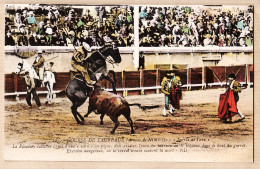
(171, 89)
(228, 101)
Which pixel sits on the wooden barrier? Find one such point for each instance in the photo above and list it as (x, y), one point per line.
(239, 71)
(131, 80)
(195, 76)
(250, 74)
(9, 83)
(215, 76)
(147, 81)
(62, 79)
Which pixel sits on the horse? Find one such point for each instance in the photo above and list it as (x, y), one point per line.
(77, 90)
(24, 66)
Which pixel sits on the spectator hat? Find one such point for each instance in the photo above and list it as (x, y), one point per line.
(86, 46)
(41, 23)
(39, 51)
(227, 19)
(120, 17)
(163, 36)
(71, 33)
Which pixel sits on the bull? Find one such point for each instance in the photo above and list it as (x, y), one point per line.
(112, 105)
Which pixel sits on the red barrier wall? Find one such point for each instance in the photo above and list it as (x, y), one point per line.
(146, 78)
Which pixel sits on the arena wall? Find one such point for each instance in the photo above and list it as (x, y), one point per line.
(189, 57)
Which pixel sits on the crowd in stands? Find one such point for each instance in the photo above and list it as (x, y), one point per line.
(195, 26)
(45, 25)
(67, 26)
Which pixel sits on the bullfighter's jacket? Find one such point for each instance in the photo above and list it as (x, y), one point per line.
(235, 86)
(167, 85)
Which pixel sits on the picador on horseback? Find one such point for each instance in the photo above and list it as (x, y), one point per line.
(93, 68)
(78, 62)
(38, 65)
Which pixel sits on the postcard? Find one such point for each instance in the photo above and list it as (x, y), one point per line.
(164, 83)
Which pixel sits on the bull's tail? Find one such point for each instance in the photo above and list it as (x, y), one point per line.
(62, 92)
(139, 105)
(144, 108)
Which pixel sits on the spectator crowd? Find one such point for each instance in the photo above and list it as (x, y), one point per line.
(45, 25)
(196, 26)
(58, 25)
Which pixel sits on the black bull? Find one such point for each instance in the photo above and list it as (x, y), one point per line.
(77, 90)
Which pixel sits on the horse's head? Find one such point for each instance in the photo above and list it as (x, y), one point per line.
(116, 56)
(22, 66)
(19, 67)
(113, 51)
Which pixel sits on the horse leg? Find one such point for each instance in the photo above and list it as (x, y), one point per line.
(101, 119)
(77, 103)
(74, 112)
(114, 79)
(112, 82)
(89, 111)
(51, 91)
(115, 120)
(77, 116)
(48, 94)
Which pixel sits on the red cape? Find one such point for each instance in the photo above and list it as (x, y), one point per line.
(175, 97)
(227, 106)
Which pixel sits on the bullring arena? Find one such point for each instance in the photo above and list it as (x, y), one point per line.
(197, 116)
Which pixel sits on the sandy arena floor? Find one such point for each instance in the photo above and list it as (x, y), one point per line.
(196, 118)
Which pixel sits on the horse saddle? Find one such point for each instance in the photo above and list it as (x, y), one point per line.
(79, 77)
